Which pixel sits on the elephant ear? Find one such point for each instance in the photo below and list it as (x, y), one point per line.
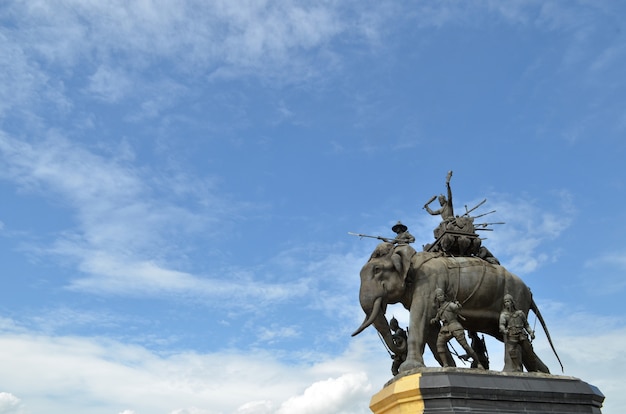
(405, 256)
(401, 259)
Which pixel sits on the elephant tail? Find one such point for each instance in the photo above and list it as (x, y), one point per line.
(535, 309)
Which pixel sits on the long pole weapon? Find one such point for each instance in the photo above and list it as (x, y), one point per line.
(485, 346)
(453, 351)
(385, 344)
(385, 239)
(474, 208)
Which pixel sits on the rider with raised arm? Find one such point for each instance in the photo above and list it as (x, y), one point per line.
(446, 211)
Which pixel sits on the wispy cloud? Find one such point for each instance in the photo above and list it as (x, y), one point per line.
(604, 274)
(523, 242)
(62, 59)
(126, 235)
(220, 38)
(275, 333)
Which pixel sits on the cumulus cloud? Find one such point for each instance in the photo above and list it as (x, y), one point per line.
(332, 395)
(9, 403)
(108, 374)
(98, 372)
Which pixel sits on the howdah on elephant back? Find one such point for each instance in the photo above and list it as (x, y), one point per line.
(399, 274)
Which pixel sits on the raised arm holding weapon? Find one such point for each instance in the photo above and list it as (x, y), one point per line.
(446, 211)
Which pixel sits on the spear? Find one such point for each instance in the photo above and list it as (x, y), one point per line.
(475, 207)
(488, 224)
(484, 214)
(386, 239)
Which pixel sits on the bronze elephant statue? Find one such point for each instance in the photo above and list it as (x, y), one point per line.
(399, 274)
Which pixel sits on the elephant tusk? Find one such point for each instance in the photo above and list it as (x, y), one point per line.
(373, 315)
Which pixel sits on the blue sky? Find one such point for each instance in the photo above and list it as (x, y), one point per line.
(178, 180)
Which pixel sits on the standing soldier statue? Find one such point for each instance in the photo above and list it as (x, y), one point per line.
(399, 338)
(518, 350)
(448, 314)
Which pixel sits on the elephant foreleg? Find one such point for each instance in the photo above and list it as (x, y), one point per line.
(413, 360)
(415, 349)
(418, 336)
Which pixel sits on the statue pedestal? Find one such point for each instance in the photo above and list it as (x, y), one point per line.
(458, 390)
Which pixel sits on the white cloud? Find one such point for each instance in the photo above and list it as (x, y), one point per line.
(334, 395)
(9, 404)
(276, 332)
(256, 407)
(110, 84)
(96, 372)
(146, 54)
(522, 242)
(604, 274)
(19, 83)
(192, 410)
(125, 235)
(610, 259)
(110, 374)
(249, 37)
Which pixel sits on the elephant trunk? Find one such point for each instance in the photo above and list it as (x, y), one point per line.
(369, 319)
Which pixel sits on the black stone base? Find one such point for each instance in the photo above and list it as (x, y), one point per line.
(455, 390)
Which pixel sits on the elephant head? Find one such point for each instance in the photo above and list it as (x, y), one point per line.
(383, 281)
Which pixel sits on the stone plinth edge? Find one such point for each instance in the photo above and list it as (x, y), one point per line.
(455, 390)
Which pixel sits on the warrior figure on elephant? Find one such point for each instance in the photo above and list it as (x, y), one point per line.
(455, 234)
(446, 211)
